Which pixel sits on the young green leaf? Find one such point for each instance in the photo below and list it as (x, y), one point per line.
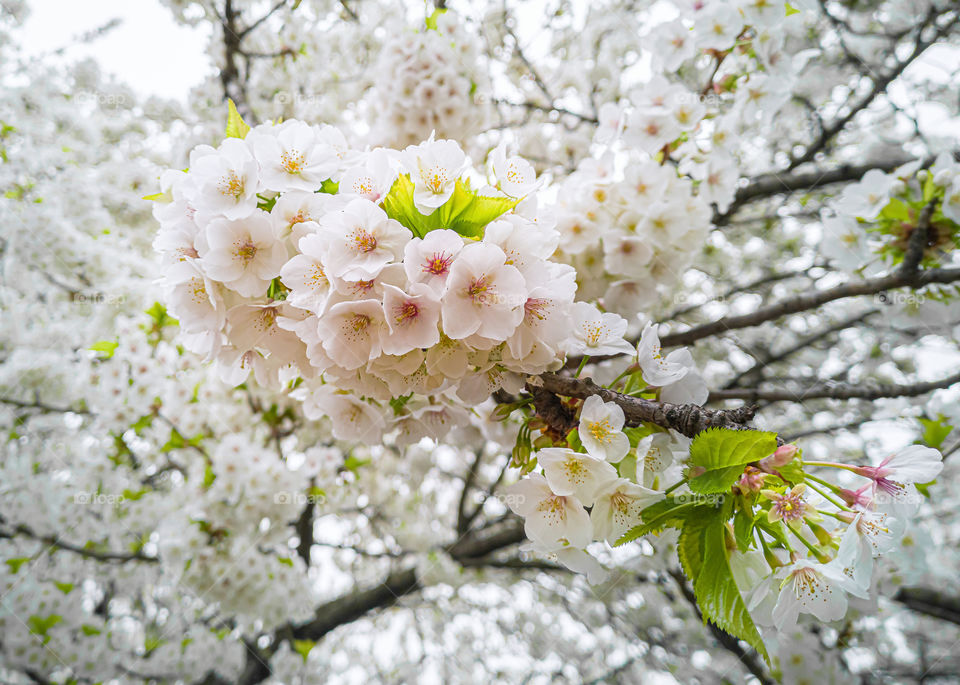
(465, 212)
(236, 126)
(722, 453)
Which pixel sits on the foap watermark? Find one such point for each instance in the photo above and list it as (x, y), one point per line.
(299, 498)
(510, 500)
(285, 97)
(714, 500)
(98, 299)
(99, 498)
(904, 299)
(101, 99)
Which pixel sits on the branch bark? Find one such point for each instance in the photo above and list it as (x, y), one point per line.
(687, 419)
(812, 300)
(842, 391)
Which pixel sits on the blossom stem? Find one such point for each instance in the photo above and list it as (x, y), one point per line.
(831, 464)
(820, 490)
(583, 362)
(674, 486)
(810, 546)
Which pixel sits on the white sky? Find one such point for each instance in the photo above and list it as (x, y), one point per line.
(149, 51)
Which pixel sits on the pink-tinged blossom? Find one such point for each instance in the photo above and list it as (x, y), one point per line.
(596, 333)
(429, 260)
(360, 240)
(484, 295)
(789, 506)
(351, 332)
(245, 254)
(412, 316)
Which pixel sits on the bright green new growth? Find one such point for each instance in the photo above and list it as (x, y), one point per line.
(466, 212)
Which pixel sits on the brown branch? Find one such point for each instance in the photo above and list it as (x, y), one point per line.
(918, 240)
(812, 300)
(801, 344)
(88, 553)
(748, 657)
(41, 406)
(687, 419)
(930, 602)
(843, 391)
(772, 184)
(463, 518)
(880, 85)
(304, 528)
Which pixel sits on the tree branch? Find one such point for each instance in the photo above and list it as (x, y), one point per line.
(812, 300)
(748, 658)
(930, 602)
(687, 419)
(843, 391)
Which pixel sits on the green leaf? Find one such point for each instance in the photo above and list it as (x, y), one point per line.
(713, 583)
(105, 348)
(303, 647)
(352, 463)
(670, 512)
(793, 472)
(90, 630)
(432, 19)
(286, 561)
(40, 625)
(16, 563)
(465, 212)
(134, 495)
(896, 210)
(723, 453)
(330, 187)
(791, 9)
(65, 588)
(154, 197)
(573, 440)
(635, 435)
(143, 422)
(743, 527)
(208, 477)
(935, 432)
(398, 403)
(236, 126)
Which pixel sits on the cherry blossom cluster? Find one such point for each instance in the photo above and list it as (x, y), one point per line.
(285, 256)
(630, 236)
(425, 82)
(873, 219)
(804, 545)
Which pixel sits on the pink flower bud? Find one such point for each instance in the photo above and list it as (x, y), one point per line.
(783, 456)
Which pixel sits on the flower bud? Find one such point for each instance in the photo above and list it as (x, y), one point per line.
(783, 456)
(822, 534)
(751, 481)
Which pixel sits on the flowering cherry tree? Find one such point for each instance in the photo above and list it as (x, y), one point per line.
(516, 342)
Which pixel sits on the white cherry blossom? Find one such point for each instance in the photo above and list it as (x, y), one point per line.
(595, 332)
(434, 167)
(550, 520)
(617, 508)
(601, 429)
